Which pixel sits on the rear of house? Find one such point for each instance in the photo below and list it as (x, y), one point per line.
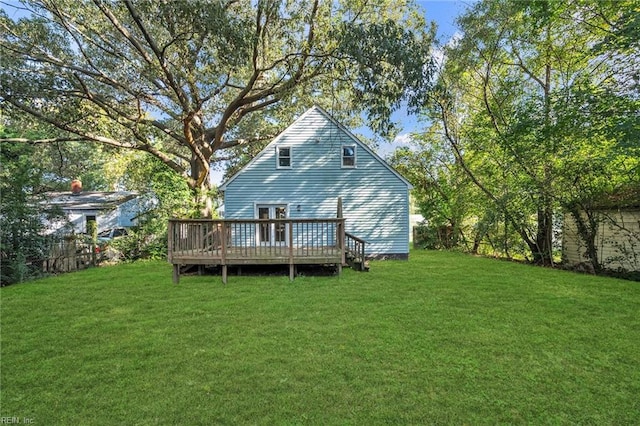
(305, 170)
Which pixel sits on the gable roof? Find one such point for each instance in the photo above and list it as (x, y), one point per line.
(88, 200)
(335, 122)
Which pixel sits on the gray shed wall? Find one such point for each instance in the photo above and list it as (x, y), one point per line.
(617, 240)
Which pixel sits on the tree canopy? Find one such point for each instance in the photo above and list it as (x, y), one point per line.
(184, 81)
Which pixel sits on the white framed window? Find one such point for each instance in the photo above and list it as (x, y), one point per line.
(283, 157)
(348, 155)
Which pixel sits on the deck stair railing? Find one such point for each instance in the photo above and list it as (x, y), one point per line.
(355, 252)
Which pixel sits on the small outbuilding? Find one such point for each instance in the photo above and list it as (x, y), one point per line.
(109, 210)
(618, 234)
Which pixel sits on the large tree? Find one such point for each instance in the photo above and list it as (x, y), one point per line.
(184, 81)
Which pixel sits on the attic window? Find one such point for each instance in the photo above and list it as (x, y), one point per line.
(348, 155)
(284, 157)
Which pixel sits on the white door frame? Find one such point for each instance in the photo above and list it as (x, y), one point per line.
(271, 234)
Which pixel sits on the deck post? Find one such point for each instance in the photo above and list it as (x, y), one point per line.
(176, 273)
(170, 248)
(223, 243)
(292, 271)
(340, 243)
(340, 235)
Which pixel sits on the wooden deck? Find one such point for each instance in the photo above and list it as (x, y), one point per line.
(256, 242)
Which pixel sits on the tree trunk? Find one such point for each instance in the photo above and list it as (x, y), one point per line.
(201, 189)
(587, 231)
(542, 250)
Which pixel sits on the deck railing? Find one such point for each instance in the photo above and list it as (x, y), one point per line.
(355, 248)
(255, 241)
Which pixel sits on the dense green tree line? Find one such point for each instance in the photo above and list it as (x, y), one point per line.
(537, 104)
(152, 95)
(532, 113)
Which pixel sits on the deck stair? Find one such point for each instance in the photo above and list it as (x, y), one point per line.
(355, 253)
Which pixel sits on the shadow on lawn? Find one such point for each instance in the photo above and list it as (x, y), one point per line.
(262, 270)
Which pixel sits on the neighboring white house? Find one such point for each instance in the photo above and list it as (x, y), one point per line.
(108, 209)
(305, 169)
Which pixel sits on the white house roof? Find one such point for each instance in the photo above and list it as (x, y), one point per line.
(316, 108)
(88, 200)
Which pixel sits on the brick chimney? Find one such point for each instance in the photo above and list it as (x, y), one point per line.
(76, 187)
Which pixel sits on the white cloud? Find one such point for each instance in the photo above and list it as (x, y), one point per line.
(386, 148)
(403, 139)
(438, 53)
(455, 39)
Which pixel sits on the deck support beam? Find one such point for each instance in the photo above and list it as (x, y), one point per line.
(224, 274)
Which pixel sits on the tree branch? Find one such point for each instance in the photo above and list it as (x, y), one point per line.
(239, 142)
(182, 96)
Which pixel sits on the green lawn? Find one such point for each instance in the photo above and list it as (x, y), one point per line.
(442, 339)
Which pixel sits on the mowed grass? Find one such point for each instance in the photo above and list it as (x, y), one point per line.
(442, 339)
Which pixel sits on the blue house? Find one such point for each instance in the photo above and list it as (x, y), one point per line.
(305, 170)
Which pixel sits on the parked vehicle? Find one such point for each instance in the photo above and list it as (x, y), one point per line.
(105, 238)
(109, 234)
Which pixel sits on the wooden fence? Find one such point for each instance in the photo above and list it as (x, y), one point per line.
(66, 255)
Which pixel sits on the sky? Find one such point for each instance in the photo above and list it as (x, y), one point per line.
(444, 13)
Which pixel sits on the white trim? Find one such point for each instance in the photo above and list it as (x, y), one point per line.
(272, 230)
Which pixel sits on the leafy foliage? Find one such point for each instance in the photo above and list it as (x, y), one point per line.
(163, 195)
(22, 243)
(536, 121)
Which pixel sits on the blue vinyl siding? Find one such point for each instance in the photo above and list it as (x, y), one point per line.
(375, 198)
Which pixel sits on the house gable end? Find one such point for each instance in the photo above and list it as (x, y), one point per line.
(330, 133)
